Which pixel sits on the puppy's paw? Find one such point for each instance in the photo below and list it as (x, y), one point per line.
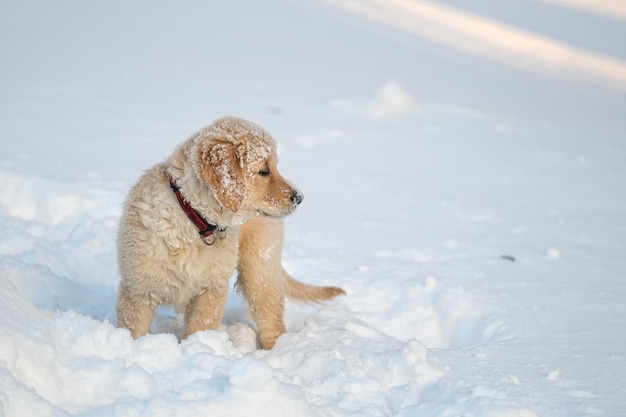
(243, 337)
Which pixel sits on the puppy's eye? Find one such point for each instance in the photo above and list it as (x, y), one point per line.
(264, 172)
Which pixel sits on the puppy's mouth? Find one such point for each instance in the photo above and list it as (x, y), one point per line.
(283, 210)
(263, 213)
(277, 210)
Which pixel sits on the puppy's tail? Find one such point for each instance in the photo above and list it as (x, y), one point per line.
(299, 291)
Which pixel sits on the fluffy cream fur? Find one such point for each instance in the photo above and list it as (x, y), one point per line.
(227, 171)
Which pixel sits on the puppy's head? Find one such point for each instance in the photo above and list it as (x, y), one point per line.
(237, 159)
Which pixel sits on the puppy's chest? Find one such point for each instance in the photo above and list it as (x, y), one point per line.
(197, 266)
(180, 235)
(194, 255)
(195, 251)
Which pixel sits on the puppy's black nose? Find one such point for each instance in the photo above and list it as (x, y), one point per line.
(296, 198)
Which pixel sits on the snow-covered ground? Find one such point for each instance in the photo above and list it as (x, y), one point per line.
(468, 194)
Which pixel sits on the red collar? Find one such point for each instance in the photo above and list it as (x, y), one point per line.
(205, 229)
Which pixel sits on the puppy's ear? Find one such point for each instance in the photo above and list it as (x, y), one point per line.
(220, 167)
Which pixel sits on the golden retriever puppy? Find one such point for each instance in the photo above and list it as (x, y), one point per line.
(212, 206)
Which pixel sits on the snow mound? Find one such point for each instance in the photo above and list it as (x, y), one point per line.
(391, 99)
(66, 363)
(61, 227)
(438, 315)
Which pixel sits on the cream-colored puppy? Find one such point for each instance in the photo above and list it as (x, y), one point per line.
(212, 206)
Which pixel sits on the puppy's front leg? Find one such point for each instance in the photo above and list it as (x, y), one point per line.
(264, 293)
(260, 276)
(205, 310)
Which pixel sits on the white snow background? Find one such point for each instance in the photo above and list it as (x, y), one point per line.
(463, 165)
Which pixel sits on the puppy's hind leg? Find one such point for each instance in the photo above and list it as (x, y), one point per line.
(134, 313)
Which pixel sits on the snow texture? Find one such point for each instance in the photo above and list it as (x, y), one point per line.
(470, 201)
